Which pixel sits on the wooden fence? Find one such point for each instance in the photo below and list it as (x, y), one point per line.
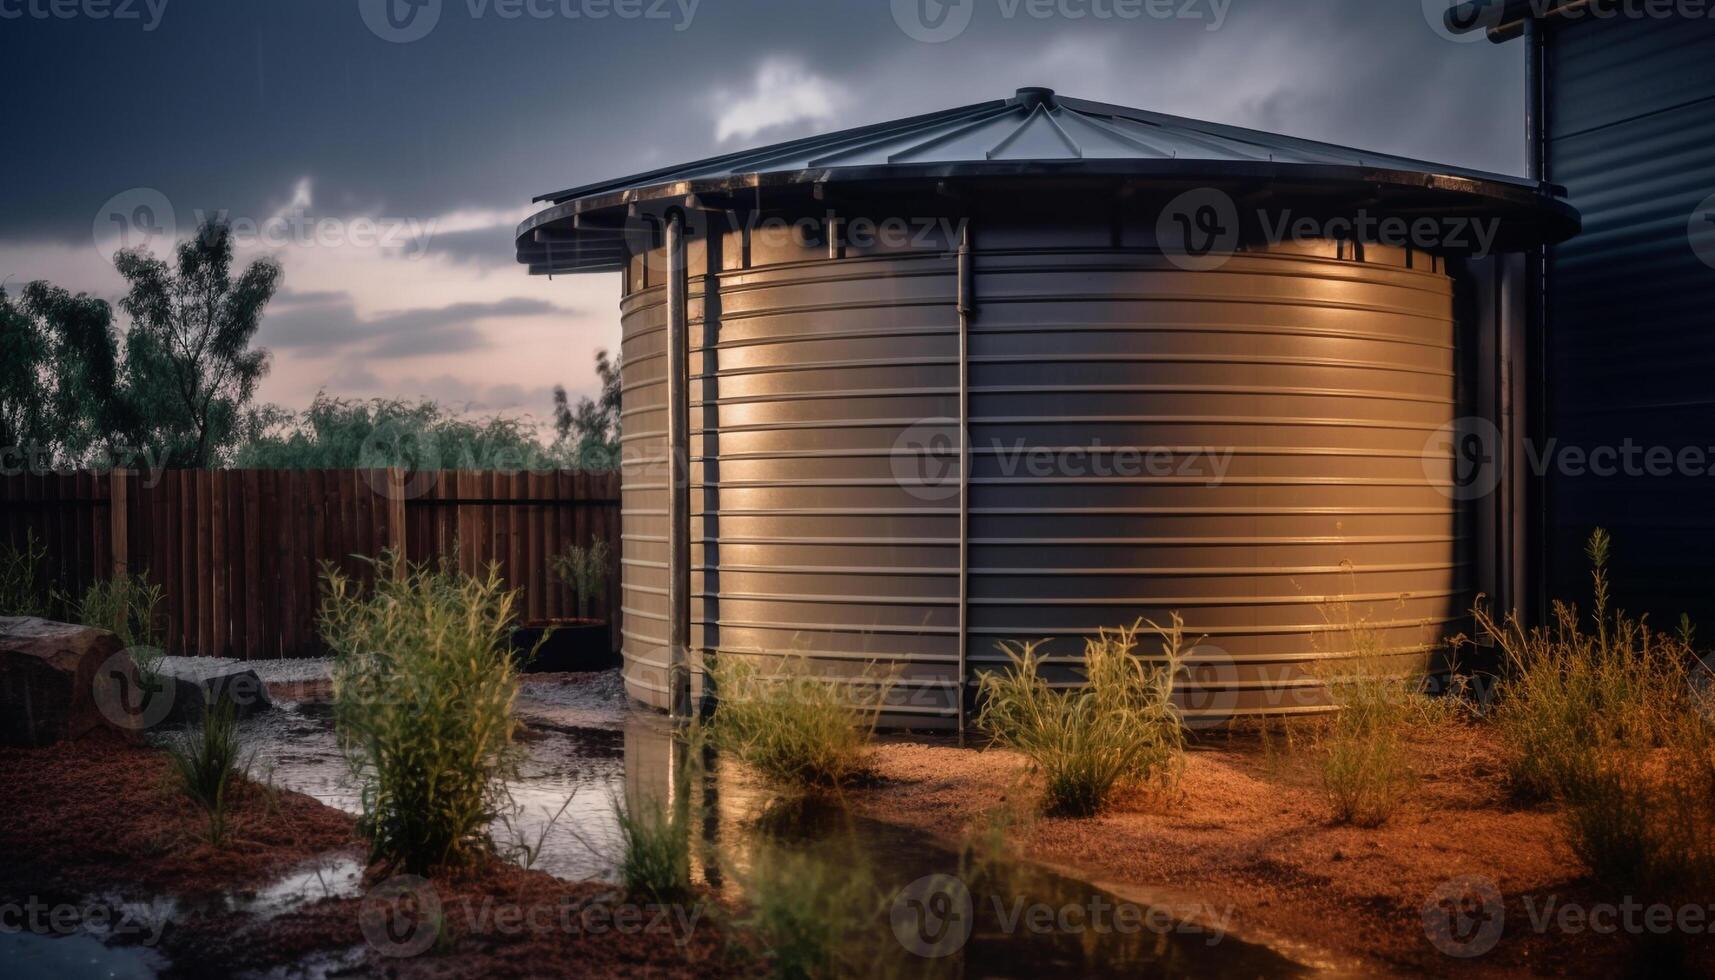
(239, 552)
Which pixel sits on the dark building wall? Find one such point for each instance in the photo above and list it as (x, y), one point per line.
(1630, 335)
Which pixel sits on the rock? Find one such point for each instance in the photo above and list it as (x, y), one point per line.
(59, 681)
(192, 684)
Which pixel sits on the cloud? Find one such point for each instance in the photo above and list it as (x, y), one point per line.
(327, 323)
(782, 92)
(488, 247)
(309, 297)
(464, 396)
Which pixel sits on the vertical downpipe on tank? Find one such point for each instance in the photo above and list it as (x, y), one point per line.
(678, 472)
(966, 308)
(1536, 300)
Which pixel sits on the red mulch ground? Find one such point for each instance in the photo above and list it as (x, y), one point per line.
(1247, 827)
(102, 816)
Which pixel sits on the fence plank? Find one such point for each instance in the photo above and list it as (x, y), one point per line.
(219, 567)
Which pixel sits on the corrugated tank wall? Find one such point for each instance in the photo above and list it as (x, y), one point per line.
(1241, 445)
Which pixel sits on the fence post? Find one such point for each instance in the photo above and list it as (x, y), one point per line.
(396, 514)
(119, 521)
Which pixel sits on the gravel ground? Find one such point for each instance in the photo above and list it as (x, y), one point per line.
(269, 671)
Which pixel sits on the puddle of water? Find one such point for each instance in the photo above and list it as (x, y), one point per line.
(583, 742)
(34, 956)
(574, 749)
(338, 878)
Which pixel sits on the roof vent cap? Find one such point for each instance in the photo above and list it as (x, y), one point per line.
(1030, 98)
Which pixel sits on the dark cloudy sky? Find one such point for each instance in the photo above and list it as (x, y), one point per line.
(395, 166)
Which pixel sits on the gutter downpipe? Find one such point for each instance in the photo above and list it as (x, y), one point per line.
(678, 472)
(966, 308)
(1536, 298)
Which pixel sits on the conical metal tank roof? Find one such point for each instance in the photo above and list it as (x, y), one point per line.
(1054, 143)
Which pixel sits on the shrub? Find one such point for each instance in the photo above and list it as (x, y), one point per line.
(1122, 726)
(1613, 721)
(585, 570)
(125, 605)
(423, 695)
(1571, 692)
(795, 727)
(21, 589)
(206, 760)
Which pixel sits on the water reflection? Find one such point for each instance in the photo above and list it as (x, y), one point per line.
(907, 907)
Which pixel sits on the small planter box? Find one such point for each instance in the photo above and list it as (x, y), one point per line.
(571, 645)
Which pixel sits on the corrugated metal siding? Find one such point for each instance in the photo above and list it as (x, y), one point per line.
(1324, 378)
(1630, 349)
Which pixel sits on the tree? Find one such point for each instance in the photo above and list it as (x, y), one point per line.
(23, 366)
(337, 433)
(188, 360)
(91, 412)
(590, 435)
(60, 398)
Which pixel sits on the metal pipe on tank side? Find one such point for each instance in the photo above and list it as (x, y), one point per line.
(966, 307)
(678, 471)
(1536, 300)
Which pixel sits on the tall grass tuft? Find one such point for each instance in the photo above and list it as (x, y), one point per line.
(1613, 720)
(655, 865)
(206, 760)
(423, 695)
(1570, 691)
(585, 570)
(796, 728)
(1121, 727)
(1380, 697)
(22, 592)
(814, 913)
(125, 606)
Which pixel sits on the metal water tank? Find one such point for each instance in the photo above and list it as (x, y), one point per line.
(1027, 369)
